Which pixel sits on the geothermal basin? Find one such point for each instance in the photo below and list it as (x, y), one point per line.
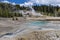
(10, 28)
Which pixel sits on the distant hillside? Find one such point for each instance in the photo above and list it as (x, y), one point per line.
(7, 10)
(48, 10)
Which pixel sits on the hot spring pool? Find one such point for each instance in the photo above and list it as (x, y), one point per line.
(43, 25)
(37, 23)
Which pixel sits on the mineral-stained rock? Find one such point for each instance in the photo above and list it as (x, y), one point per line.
(36, 35)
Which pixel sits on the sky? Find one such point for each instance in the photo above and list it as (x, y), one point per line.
(32, 2)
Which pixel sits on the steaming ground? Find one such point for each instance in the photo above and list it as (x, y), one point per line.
(19, 28)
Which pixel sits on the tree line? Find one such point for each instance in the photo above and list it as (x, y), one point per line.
(47, 10)
(7, 10)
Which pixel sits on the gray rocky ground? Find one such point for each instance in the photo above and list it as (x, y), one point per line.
(18, 30)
